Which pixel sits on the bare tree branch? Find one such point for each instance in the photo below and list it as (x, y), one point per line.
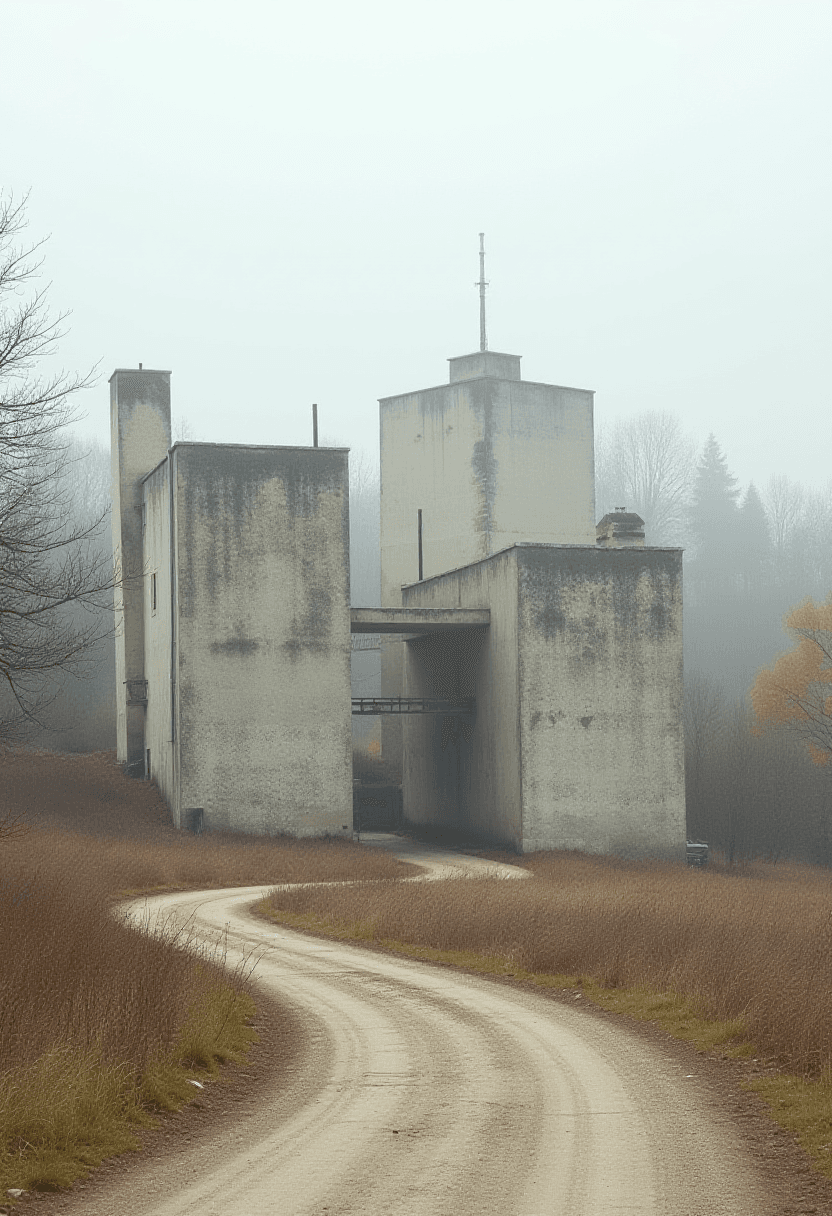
(647, 464)
(55, 575)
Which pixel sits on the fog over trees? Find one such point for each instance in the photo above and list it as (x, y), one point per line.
(751, 556)
(55, 579)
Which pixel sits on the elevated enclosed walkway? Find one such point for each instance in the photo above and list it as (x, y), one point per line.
(416, 622)
(412, 705)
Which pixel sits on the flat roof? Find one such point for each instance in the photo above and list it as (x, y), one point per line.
(543, 544)
(251, 447)
(473, 380)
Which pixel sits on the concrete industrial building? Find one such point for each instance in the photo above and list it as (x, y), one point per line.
(543, 652)
(233, 644)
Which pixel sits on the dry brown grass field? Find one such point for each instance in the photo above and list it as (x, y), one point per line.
(737, 962)
(100, 1024)
(750, 948)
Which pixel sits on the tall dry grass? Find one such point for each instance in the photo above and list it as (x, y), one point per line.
(98, 1020)
(69, 972)
(755, 946)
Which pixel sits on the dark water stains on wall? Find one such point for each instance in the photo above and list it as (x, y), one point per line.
(222, 486)
(238, 644)
(550, 575)
(142, 388)
(312, 625)
(484, 463)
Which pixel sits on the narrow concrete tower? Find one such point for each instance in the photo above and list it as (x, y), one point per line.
(139, 439)
(490, 459)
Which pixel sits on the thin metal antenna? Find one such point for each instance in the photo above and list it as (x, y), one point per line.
(482, 286)
(420, 543)
(314, 426)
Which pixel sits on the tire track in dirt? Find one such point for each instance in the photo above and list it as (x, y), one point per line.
(429, 1091)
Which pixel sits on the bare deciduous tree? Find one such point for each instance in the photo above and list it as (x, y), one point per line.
(784, 501)
(51, 565)
(647, 464)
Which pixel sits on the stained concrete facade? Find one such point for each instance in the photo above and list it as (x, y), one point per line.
(234, 624)
(576, 742)
(490, 459)
(240, 626)
(139, 439)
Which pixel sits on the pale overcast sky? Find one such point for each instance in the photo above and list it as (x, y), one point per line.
(280, 202)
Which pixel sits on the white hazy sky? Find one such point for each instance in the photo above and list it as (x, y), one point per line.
(280, 202)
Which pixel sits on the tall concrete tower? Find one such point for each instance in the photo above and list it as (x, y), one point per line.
(489, 459)
(139, 439)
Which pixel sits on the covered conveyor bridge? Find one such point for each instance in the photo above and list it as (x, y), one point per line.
(415, 623)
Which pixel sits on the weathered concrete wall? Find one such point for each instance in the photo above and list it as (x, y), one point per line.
(158, 640)
(139, 439)
(263, 650)
(460, 773)
(600, 670)
(577, 741)
(490, 461)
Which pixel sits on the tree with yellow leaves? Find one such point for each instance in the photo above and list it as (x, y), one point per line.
(797, 691)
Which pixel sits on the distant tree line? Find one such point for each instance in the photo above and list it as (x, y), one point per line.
(753, 563)
(749, 556)
(751, 794)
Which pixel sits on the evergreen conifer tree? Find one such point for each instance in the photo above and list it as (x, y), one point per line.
(755, 548)
(714, 519)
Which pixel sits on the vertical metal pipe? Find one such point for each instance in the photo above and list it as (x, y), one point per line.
(314, 426)
(420, 544)
(482, 287)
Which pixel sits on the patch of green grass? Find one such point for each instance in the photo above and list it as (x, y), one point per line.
(68, 1111)
(675, 1014)
(803, 1106)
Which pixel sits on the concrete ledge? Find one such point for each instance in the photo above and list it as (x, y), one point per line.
(417, 621)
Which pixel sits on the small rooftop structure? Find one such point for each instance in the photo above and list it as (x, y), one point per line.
(620, 529)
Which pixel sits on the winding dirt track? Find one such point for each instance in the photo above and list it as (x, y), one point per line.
(428, 1091)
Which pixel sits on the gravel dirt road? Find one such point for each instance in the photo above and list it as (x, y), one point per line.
(423, 1090)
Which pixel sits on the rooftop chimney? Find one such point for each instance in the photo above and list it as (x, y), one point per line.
(621, 529)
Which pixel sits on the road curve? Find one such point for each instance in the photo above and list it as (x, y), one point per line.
(429, 1092)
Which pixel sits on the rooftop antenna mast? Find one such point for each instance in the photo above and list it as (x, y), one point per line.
(482, 286)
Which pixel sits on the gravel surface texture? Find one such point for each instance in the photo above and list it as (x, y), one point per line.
(384, 1085)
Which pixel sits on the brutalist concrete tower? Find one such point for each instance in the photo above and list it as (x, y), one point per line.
(490, 460)
(139, 439)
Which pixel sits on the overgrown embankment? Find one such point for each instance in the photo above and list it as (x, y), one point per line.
(102, 1025)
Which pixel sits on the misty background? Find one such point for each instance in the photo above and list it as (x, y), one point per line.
(281, 204)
